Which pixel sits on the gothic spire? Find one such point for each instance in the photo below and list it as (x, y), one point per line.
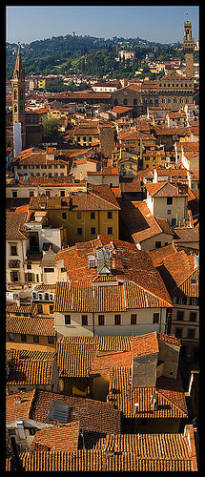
(18, 70)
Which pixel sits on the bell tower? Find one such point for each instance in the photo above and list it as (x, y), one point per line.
(189, 49)
(18, 95)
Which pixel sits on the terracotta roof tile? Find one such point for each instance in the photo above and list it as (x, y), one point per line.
(30, 325)
(26, 369)
(138, 273)
(92, 415)
(171, 402)
(140, 222)
(14, 225)
(57, 438)
(165, 189)
(16, 409)
(96, 461)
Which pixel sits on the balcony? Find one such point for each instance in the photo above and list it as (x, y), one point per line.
(14, 263)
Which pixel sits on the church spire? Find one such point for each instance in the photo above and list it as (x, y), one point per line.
(18, 70)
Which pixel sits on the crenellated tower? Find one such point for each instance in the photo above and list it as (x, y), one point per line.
(189, 49)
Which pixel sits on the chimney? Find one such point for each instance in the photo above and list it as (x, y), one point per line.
(18, 400)
(154, 401)
(196, 261)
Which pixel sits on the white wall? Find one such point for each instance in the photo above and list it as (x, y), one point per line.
(50, 235)
(144, 323)
(159, 208)
(149, 244)
(21, 256)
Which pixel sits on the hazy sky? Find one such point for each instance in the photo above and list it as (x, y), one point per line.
(155, 23)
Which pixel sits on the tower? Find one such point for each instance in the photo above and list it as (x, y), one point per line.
(18, 95)
(189, 49)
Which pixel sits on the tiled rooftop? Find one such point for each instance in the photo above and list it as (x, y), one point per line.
(141, 224)
(33, 325)
(96, 461)
(92, 415)
(165, 189)
(57, 438)
(131, 266)
(29, 368)
(18, 405)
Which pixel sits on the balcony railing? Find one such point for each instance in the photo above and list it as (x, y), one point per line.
(14, 263)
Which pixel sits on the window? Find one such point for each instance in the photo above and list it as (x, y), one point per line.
(67, 320)
(194, 301)
(64, 215)
(169, 200)
(158, 244)
(155, 318)
(51, 339)
(169, 211)
(92, 215)
(29, 266)
(84, 320)
(133, 319)
(93, 231)
(178, 332)
(79, 230)
(63, 269)
(62, 193)
(40, 308)
(11, 336)
(14, 250)
(117, 319)
(173, 222)
(192, 316)
(180, 315)
(14, 194)
(79, 215)
(191, 333)
(31, 193)
(48, 270)
(101, 320)
(35, 339)
(109, 230)
(14, 276)
(23, 338)
(109, 215)
(51, 309)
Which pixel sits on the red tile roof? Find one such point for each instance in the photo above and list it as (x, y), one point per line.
(139, 277)
(26, 369)
(18, 405)
(14, 225)
(57, 438)
(141, 224)
(165, 189)
(34, 325)
(92, 415)
(97, 461)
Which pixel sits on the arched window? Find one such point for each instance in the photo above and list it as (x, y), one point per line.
(15, 94)
(125, 102)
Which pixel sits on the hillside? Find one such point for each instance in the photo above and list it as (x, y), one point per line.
(81, 54)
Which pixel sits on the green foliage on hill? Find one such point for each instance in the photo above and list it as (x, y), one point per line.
(69, 55)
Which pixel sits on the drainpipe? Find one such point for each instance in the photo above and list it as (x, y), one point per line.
(93, 313)
(160, 320)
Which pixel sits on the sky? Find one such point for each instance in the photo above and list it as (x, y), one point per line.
(163, 24)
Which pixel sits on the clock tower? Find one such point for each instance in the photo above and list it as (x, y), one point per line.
(189, 49)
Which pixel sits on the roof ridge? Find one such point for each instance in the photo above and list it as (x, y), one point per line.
(160, 391)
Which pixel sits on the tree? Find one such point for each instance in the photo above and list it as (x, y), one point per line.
(50, 129)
